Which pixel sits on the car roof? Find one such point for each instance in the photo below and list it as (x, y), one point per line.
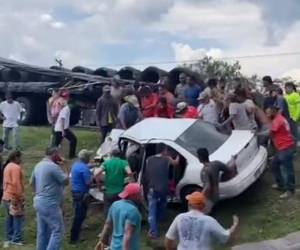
(158, 128)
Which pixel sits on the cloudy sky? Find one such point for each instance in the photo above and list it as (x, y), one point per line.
(94, 33)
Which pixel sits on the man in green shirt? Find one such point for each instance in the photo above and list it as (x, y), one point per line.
(293, 100)
(116, 170)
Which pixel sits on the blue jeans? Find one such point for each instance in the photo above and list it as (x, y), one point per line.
(80, 210)
(282, 167)
(50, 227)
(16, 137)
(157, 204)
(14, 225)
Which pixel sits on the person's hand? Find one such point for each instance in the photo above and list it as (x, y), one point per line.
(234, 157)
(63, 134)
(218, 125)
(236, 220)
(100, 245)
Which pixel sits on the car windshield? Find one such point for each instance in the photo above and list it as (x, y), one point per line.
(201, 135)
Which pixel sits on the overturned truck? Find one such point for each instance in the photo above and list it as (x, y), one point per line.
(32, 86)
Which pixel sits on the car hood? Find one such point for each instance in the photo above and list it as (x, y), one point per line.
(235, 143)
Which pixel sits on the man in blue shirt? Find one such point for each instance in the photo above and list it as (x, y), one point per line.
(48, 182)
(124, 219)
(191, 92)
(81, 179)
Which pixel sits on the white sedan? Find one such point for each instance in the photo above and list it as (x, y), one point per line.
(184, 137)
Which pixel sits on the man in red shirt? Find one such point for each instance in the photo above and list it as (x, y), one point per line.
(282, 139)
(149, 102)
(163, 109)
(185, 111)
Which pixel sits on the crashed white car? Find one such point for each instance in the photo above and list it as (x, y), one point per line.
(184, 137)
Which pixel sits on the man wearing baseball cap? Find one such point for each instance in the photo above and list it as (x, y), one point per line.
(183, 110)
(124, 219)
(195, 230)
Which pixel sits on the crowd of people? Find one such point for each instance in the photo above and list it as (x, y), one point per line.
(272, 115)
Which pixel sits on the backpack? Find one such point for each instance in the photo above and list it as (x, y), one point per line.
(131, 115)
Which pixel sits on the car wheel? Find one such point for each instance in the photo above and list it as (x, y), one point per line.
(186, 191)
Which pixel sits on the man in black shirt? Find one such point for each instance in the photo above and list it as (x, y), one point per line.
(156, 185)
(210, 176)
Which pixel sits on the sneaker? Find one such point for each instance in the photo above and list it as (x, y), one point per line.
(277, 187)
(286, 195)
(19, 243)
(151, 236)
(6, 244)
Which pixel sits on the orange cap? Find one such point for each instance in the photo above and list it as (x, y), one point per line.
(196, 198)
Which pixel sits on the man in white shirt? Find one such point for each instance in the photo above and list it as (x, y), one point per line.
(237, 114)
(194, 230)
(207, 109)
(11, 112)
(62, 129)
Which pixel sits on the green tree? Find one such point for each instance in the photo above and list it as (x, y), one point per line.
(209, 67)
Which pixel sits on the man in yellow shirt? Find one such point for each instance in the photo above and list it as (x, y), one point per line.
(293, 99)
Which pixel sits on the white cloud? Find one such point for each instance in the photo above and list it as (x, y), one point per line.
(34, 33)
(46, 18)
(183, 52)
(222, 20)
(237, 33)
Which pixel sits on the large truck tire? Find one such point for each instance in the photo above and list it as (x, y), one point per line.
(75, 115)
(28, 108)
(34, 111)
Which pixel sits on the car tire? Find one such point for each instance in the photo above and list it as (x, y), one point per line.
(186, 191)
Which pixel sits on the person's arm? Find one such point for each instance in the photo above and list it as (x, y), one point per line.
(153, 104)
(32, 182)
(88, 177)
(129, 173)
(60, 176)
(265, 132)
(121, 117)
(206, 183)
(132, 222)
(172, 236)
(170, 244)
(62, 125)
(98, 112)
(2, 117)
(98, 176)
(232, 114)
(221, 234)
(228, 121)
(234, 227)
(116, 108)
(174, 162)
(17, 182)
(297, 104)
(250, 107)
(127, 236)
(104, 236)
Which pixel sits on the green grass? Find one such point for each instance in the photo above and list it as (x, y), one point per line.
(262, 214)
